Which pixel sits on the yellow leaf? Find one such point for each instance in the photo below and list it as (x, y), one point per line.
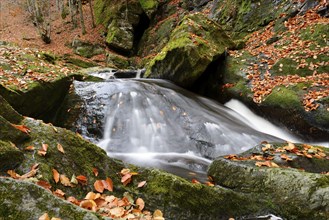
(88, 204)
(44, 217)
(157, 215)
(64, 180)
(55, 175)
(117, 212)
(60, 148)
(29, 148)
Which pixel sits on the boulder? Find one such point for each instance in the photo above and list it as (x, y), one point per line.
(86, 49)
(25, 200)
(10, 156)
(193, 45)
(275, 172)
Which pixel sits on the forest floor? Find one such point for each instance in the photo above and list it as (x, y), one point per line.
(16, 26)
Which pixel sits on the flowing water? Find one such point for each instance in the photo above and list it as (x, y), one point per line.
(154, 123)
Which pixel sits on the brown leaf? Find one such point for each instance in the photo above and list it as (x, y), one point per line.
(92, 196)
(157, 215)
(22, 128)
(117, 212)
(95, 171)
(42, 153)
(29, 148)
(98, 185)
(289, 147)
(285, 157)
(126, 179)
(59, 193)
(64, 180)
(209, 184)
(108, 184)
(73, 200)
(88, 204)
(13, 174)
(44, 147)
(124, 171)
(140, 203)
(44, 184)
(141, 184)
(44, 217)
(266, 163)
(82, 179)
(55, 175)
(60, 148)
(195, 181)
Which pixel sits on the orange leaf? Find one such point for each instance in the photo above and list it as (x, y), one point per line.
(55, 175)
(195, 181)
(45, 147)
(88, 204)
(290, 147)
(124, 171)
(92, 196)
(82, 179)
(73, 200)
(98, 185)
(59, 193)
(285, 157)
(42, 153)
(141, 184)
(126, 179)
(140, 204)
(44, 184)
(13, 174)
(29, 148)
(108, 184)
(44, 217)
(95, 171)
(60, 148)
(22, 128)
(117, 212)
(209, 184)
(64, 180)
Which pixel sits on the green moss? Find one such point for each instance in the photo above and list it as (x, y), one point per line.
(283, 97)
(148, 4)
(10, 156)
(317, 33)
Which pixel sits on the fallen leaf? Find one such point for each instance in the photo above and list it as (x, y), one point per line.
(53, 218)
(195, 181)
(141, 184)
(64, 180)
(82, 179)
(140, 203)
(88, 204)
(289, 147)
(59, 193)
(108, 184)
(55, 175)
(44, 184)
(117, 212)
(13, 174)
(98, 185)
(95, 171)
(157, 215)
(74, 180)
(73, 200)
(285, 157)
(44, 217)
(29, 148)
(124, 171)
(22, 128)
(266, 163)
(209, 184)
(45, 147)
(126, 179)
(60, 148)
(92, 196)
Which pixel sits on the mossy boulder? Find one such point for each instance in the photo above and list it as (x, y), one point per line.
(287, 191)
(25, 200)
(10, 133)
(10, 156)
(8, 113)
(117, 61)
(120, 35)
(86, 49)
(189, 51)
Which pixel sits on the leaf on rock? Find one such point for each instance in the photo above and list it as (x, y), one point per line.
(285, 157)
(117, 212)
(195, 181)
(29, 148)
(82, 179)
(92, 196)
(88, 204)
(22, 128)
(289, 147)
(55, 175)
(126, 179)
(74, 180)
(141, 184)
(59, 193)
(140, 203)
(73, 200)
(108, 184)
(64, 180)
(44, 184)
(157, 215)
(98, 185)
(45, 147)
(45, 216)
(266, 164)
(95, 171)
(60, 148)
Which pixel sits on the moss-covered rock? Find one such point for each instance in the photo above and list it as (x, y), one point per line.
(189, 51)
(9, 133)
(288, 192)
(117, 61)
(87, 49)
(8, 112)
(25, 200)
(10, 156)
(120, 35)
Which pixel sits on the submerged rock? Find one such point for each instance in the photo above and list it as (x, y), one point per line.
(275, 173)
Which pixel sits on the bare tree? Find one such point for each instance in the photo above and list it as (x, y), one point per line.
(82, 21)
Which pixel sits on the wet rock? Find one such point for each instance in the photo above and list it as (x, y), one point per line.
(126, 73)
(10, 156)
(292, 193)
(117, 61)
(120, 35)
(189, 51)
(25, 200)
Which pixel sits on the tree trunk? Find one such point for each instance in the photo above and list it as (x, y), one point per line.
(83, 27)
(92, 14)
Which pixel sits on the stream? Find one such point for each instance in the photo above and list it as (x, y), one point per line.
(153, 123)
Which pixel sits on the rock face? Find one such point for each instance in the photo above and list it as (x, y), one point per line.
(289, 192)
(189, 51)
